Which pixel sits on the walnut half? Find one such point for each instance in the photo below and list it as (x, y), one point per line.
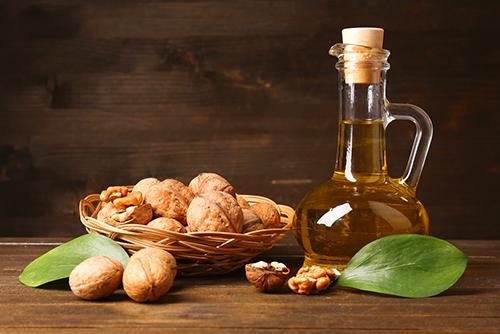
(267, 277)
(311, 280)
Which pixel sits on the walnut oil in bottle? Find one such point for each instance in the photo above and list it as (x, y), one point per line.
(361, 203)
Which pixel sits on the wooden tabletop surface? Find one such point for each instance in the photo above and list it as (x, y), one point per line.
(229, 304)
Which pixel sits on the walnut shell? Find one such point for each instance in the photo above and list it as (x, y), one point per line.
(267, 277)
(242, 202)
(106, 212)
(251, 222)
(215, 211)
(268, 214)
(180, 187)
(206, 182)
(144, 185)
(96, 277)
(149, 274)
(170, 199)
(167, 224)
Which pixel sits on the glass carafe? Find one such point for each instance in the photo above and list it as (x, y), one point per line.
(360, 202)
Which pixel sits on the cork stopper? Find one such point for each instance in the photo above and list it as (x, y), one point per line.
(370, 37)
(358, 39)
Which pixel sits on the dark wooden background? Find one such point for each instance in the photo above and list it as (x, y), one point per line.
(108, 92)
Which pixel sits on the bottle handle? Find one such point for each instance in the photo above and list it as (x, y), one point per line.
(421, 143)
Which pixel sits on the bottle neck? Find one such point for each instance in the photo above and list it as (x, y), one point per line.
(361, 149)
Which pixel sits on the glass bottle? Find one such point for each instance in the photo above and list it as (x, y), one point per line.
(360, 202)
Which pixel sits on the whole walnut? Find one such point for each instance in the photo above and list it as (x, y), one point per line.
(96, 277)
(206, 182)
(170, 198)
(251, 222)
(215, 211)
(149, 274)
(144, 185)
(167, 224)
(268, 214)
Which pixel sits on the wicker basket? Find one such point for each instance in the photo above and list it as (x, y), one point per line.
(197, 253)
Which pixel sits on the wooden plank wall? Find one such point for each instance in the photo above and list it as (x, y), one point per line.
(108, 92)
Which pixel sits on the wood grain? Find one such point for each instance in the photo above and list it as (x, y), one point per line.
(94, 93)
(228, 303)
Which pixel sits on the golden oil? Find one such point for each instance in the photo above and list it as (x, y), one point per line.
(359, 204)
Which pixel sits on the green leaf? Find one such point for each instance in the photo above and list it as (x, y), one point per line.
(407, 265)
(60, 261)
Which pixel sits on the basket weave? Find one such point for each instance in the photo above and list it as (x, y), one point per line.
(197, 253)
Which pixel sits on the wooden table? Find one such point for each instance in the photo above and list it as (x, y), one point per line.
(229, 304)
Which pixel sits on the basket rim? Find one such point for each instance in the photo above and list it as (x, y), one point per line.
(131, 229)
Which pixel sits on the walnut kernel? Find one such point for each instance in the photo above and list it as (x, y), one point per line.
(311, 280)
(141, 214)
(131, 199)
(112, 193)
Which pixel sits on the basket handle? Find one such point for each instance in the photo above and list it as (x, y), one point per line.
(287, 213)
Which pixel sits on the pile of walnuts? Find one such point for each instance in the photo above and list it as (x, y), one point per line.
(208, 204)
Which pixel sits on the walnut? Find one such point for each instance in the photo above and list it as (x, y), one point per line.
(267, 277)
(106, 212)
(180, 187)
(242, 202)
(96, 277)
(251, 222)
(311, 280)
(215, 211)
(268, 214)
(167, 224)
(132, 198)
(113, 192)
(149, 274)
(170, 199)
(206, 182)
(141, 214)
(144, 185)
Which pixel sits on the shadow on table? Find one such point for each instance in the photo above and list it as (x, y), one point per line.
(118, 296)
(462, 292)
(61, 284)
(447, 293)
(121, 296)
